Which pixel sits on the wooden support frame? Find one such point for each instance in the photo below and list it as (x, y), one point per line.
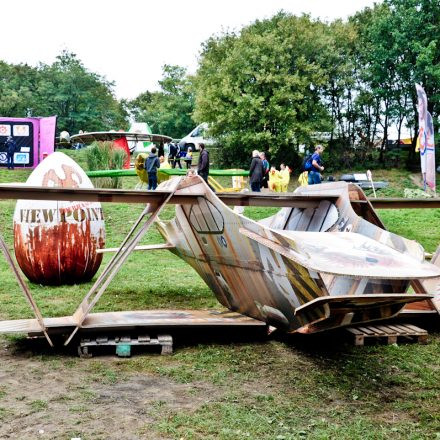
(126, 248)
(25, 289)
(232, 199)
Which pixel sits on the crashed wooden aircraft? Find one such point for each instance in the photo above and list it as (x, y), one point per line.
(322, 262)
(310, 267)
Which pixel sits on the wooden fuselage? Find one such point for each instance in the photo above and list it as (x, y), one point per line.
(287, 270)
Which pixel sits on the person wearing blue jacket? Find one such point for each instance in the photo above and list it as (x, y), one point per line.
(151, 165)
(10, 150)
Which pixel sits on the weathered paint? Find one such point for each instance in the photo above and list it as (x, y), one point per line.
(266, 271)
(56, 241)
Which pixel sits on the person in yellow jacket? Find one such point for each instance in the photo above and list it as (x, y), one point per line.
(139, 166)
(303, 178)
(164, 165)
(284, 177)
(274, 180)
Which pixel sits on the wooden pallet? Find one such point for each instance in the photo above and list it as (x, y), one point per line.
(389, 333)
(123, 344)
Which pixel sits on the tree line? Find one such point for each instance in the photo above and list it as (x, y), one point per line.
(289, 81)
(275, 85)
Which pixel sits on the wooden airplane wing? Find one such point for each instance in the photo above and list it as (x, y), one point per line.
(345, 254)
(337, 311)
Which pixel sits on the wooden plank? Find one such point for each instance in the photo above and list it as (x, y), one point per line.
(403, 330)
(306, 218)
(399, 203)
(25, 192)
(139, 318)
(319, 216)
(147, 247)
(416, 329)
(294, 218)
(330, 219)
(359, 340)
(366, 330)
(396, 329)
(354, 330)
(386, 330)
(15, 192)
(376, 330)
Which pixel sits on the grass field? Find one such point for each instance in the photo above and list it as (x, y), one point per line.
(212, 387)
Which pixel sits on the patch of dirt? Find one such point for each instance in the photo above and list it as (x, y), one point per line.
(54, 397)
(395, 417)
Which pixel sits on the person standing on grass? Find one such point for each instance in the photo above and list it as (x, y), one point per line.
(151, 165)
(203, 164)
(174, 155)
(266, 168)
(314, 167)
(10, 150)
(188, 158)
(256, 172)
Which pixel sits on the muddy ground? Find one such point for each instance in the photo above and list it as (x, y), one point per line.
(58, 395)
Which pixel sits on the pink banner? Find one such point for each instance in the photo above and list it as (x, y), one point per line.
(426, 139)
(47, 136)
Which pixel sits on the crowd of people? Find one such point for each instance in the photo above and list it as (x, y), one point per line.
(176, 154)
(261, 174)
(153, 163)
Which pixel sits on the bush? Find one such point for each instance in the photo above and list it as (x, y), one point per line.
(104, 156)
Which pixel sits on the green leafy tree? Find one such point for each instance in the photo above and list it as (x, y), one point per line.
(260, 89)
(17, 89)
(81, 99)
(398, 45)
(169, 110)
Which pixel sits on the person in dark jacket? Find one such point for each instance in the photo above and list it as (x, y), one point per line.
(10, 150)
(256, 172)
(203, 164)
(151, 165)
(266, 168)
(174, 155)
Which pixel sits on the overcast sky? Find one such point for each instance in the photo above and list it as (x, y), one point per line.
(128, 41)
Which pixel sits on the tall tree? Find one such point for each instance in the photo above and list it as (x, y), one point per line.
(168, 111)
(17, 89)
(260, 89)
(81, 99)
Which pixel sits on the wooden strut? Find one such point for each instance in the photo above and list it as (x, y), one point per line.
(25, 289)
(25, 192)
(115, 264)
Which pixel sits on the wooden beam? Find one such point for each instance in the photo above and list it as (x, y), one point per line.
(402, 203)
(24, 192)
(147, 247)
